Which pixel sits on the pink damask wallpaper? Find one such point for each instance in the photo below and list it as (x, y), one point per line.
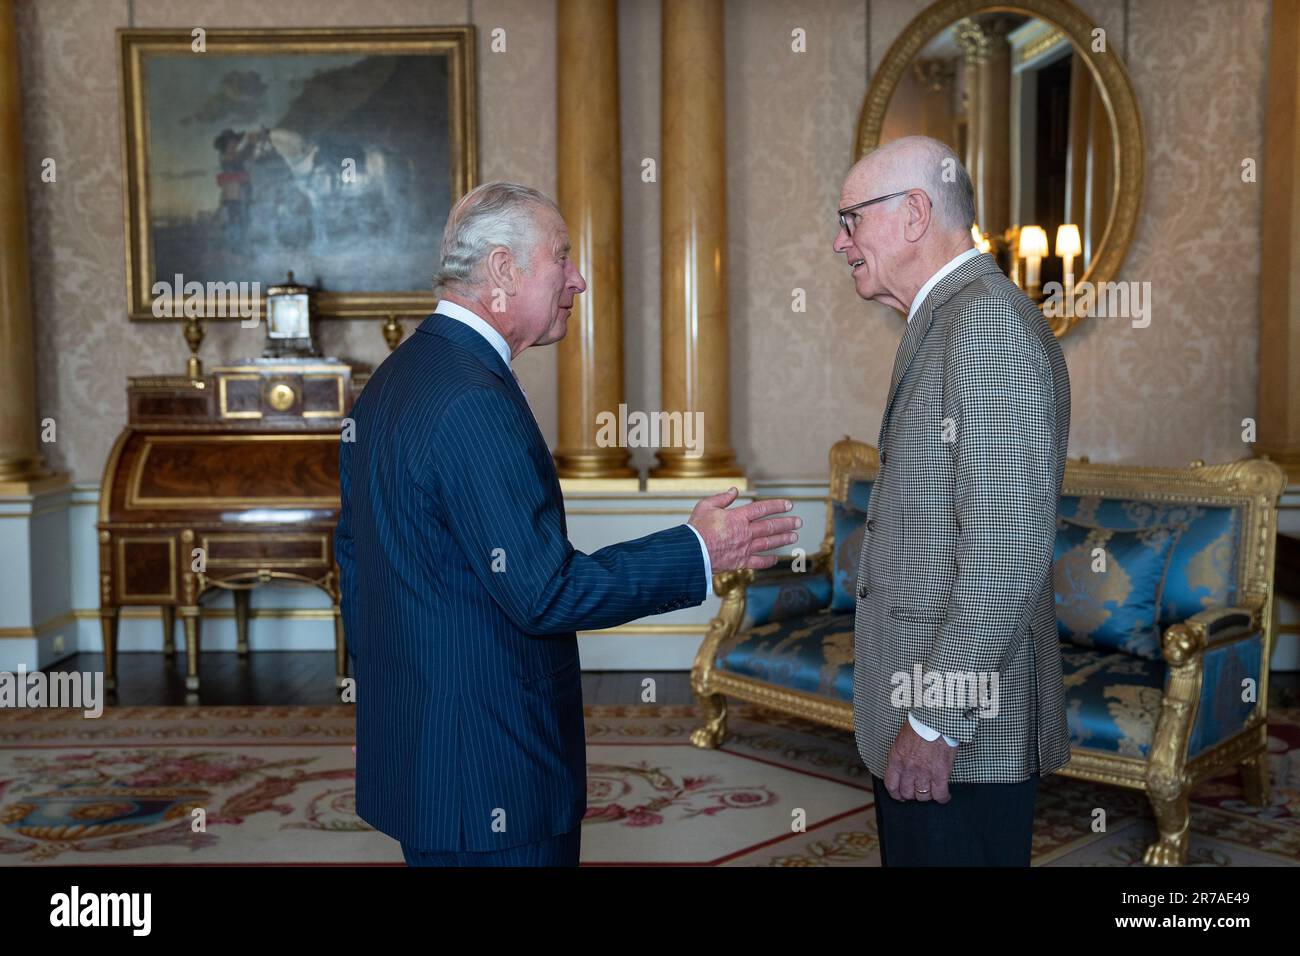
(1161, 395)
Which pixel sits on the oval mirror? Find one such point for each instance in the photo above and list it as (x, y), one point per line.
(1036, 101)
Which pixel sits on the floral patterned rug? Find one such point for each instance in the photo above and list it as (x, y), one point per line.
(274, 785)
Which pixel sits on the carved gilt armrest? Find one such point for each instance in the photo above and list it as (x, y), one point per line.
(1219, 624)
(1201, 708)
(749, 597)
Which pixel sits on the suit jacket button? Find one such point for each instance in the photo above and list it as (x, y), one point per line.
(970, 713)
(863, 590)
(871, 524)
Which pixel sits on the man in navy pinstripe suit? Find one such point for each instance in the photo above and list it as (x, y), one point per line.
(461, 592)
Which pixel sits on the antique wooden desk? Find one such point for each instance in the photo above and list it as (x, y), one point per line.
(228, 481)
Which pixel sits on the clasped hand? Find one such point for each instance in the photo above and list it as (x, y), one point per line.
(918, 769)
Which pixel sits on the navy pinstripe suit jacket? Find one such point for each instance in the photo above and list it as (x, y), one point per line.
(461, 595)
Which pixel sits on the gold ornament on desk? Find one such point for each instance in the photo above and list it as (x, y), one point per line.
(193, 338)
(393, 332)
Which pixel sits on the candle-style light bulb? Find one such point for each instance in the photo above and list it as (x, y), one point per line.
(1033, 247)
(1068, 245)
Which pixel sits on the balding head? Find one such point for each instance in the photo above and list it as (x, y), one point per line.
(919, 161)
(894, 246)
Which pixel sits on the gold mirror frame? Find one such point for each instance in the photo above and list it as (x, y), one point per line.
(1129, 156)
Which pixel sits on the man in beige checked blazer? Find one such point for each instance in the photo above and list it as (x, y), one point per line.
(957, 693)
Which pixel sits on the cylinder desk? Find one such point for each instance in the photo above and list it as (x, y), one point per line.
(224, 482)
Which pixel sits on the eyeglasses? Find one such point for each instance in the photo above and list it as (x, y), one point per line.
(848, 215)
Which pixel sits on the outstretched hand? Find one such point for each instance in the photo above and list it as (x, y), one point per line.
(735, 537)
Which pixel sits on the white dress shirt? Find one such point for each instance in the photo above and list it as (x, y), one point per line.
(925, 731)
(476, 322)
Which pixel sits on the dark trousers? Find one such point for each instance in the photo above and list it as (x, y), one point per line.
(559, 850)
(984, 824)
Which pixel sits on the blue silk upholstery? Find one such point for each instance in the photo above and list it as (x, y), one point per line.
(859, 494)
(1222, 712)
(780, 595)
(1112, 699)
(847, 520)
(1117, 609)
(1177, 560)
(1203, 567)
(813, 654)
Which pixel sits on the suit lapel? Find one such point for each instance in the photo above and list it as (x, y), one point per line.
(944, 290)
(912, 338)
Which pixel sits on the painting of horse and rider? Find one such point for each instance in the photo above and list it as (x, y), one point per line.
(335, 159)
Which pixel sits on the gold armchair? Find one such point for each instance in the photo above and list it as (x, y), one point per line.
(1174, 763)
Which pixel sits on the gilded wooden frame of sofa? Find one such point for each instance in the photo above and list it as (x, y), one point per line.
(1167, 776)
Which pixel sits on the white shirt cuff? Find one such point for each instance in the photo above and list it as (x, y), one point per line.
(708, 565)
(926, 732)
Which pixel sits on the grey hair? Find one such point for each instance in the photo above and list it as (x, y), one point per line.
(492, 215)
(956, 198)
(944, 177)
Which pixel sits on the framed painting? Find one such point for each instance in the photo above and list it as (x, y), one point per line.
(332, 153)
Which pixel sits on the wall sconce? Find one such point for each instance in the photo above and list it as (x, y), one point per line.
(1033, 247)
(1068, 245)
(981, 241)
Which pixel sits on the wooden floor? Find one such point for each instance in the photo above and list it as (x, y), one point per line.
(307, 678)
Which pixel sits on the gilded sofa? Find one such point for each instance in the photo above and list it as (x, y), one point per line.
(1164, 655)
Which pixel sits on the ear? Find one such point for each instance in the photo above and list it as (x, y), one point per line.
(502, 271)
(917, 216)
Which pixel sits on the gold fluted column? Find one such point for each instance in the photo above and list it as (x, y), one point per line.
(590, 356)
(1279, 293)
(693, 188)
(22, 467)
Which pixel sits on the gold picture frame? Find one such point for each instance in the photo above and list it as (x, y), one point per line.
(311, 176)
